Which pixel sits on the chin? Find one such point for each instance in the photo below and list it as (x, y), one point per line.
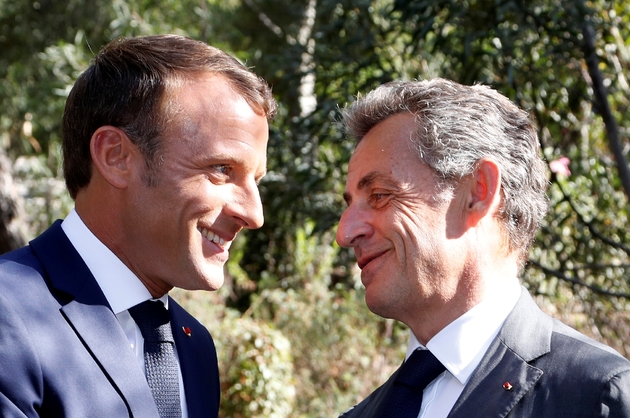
(205, 284)
(211, 282)
(209, 279)
(215, 285)
(380, 307)
(214, 279)
(374, 305)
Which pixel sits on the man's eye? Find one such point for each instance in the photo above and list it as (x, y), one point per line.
(222, 168)
(378, 198)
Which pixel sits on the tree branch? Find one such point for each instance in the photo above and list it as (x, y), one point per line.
(591, 227)
(560, 275)
(601, 99)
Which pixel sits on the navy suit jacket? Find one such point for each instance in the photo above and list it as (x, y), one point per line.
(554, 372)
(63, 352)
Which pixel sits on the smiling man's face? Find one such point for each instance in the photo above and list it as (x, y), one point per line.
(399, 230)
(180, 230)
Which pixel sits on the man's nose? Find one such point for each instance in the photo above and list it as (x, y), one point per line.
(247, 207)
(352, 226)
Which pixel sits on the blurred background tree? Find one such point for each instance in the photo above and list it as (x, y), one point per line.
(294, 336)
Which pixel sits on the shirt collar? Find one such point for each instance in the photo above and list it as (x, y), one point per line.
(121, 287)
(460, 346)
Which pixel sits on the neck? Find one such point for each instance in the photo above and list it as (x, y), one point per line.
(433, 315)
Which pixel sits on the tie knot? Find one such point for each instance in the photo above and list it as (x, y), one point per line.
(153, 320)
(420, 369)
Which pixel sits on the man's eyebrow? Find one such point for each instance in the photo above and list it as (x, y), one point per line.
(371, 178)
(368, 180)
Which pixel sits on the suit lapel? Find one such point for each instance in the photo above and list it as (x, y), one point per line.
(195, 352)
(485, 393)
(85, 308)
(370, 407)
(103, 337)
(504, 375)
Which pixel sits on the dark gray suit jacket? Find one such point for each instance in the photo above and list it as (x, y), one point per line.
(63, 352)
(554, 371)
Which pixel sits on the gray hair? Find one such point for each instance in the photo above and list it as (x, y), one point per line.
(459, 125)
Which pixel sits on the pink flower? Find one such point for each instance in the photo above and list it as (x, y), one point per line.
(560, 166)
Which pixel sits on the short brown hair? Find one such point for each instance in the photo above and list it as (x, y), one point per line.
(126, 86)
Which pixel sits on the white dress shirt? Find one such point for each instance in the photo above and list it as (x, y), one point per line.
(121, 287)
(461, 345)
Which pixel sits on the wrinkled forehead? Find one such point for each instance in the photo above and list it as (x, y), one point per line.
(389, 143)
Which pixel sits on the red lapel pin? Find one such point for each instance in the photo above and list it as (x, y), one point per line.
(187, 331)
(507, 386)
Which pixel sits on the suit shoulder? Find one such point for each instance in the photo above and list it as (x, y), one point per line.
(574, 338)
(22, 256)
(21, 272)
(580, 350)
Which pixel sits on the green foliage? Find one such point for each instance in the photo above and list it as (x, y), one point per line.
(331, 331)
(31, 82)
(256, 359)
(333, 339)
(257, 373)
(292, 313)
(332, 336)
(48, 198)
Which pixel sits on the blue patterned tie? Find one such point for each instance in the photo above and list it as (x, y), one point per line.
(405, 395)
(159, 356)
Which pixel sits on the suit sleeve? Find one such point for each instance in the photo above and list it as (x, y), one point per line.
(615, 400)
(20, 379)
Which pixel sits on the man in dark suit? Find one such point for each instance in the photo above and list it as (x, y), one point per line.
(164, 142)
(445, 192)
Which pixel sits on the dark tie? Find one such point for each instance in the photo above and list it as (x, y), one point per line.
(405, 395)
(159, 356)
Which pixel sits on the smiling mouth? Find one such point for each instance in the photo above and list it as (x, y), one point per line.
(365, 261)
(212, 237)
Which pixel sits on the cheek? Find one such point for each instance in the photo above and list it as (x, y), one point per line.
(190, 195)
(407, 228)
(207, 192)
(416, 241)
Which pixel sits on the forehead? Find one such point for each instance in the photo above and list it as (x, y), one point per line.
(212, 120)
(210, 102)
(385, 153)
(204, 92)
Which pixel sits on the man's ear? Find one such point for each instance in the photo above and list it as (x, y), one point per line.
(112, 151)
(484, 191)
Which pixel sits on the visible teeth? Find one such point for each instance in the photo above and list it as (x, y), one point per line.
(216, 239)
(211, 236)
